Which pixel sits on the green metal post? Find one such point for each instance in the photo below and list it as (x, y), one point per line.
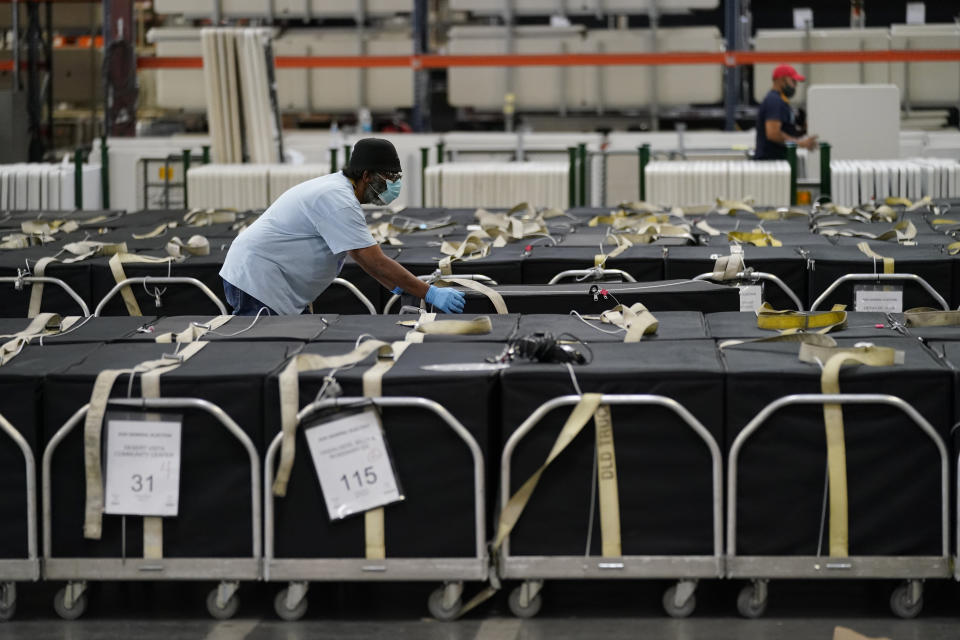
(792, 159)
(572, 152)
(186, 168)
(424, 159)
(825, 184)
(644, 159)
(104, 174)
(333, 160)
(440, 153)
(346, 154)
(582, 152)
(78, 179)
(206, 154)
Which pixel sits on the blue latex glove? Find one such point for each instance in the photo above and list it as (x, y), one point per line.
(397, 291)
(445, 299)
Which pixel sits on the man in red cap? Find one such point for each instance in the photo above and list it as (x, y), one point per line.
(776, 121)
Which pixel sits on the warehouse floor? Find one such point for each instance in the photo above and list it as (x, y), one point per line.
(797, 611)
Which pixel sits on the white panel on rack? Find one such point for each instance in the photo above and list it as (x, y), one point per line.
(471, 184)
(837, 114)
(283, 8)
(695, 182)
(926, 83)
(860, 181)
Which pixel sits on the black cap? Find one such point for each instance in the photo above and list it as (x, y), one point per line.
(375, 154)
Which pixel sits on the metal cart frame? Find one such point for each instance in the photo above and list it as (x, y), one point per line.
(19, 281)
(880, 277)
(145, 280)
(70, 602)
(679, 600)
(445, 603)
(595, 273)
(20, 569)
(433, 277)
(907, 600)
(364, 300)
(755, 276)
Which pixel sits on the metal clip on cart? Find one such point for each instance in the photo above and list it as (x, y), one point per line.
(444, 603)
(679, 600)
(222, 602)
(20, 569)
(907, 600)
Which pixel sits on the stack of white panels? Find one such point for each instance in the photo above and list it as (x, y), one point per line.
(582, 7)
(702, 182)
(286, 8)
(46, 187)
(470, 184)
(856, 182)
(235, 77)
(245, 187)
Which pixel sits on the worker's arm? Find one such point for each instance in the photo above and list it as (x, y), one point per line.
(775, 133)
(387, 271)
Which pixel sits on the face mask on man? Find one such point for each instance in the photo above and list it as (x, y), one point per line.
(381, 191)
(391, 192)
(789, 90)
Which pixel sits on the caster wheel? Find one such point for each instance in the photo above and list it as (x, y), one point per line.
(900, 603)
(6, 613)
(670, 605)
(69, 613)
(285, 613)
(222, 613)
(438, 611)
(746, 605)
(529, 611)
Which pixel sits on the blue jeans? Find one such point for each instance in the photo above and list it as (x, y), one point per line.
(243, 303)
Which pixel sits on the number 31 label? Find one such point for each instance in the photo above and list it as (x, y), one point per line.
(143, 465)
(353, 464)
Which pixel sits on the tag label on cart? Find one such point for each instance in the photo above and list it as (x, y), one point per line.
(883, 298)
(353, 464)
(751, 297)
(143, 464)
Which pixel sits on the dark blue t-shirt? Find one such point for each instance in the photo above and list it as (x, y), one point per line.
(774, 107)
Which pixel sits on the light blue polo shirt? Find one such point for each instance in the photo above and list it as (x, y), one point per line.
(296, 248)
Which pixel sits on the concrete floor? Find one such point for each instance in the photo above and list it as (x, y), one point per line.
(610, 610)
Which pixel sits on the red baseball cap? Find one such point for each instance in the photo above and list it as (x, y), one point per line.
(786, 70)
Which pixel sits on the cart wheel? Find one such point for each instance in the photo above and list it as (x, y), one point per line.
(438, 611)
(6, 612)
(747, 605)
(65, 612)
(670, 604)
(286, 613)
(222, 613)
(900, 603)
(532, 608)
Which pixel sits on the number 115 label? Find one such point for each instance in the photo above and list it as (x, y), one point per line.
(353, 464)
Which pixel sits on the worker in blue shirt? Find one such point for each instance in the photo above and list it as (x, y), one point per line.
(776, 120)
(292, 253)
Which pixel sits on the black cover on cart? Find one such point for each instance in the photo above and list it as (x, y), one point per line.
(214, 519)
(502, 264)
(669, 295)
(787, 263)
(21, 382)
(673, 325)
(663, 467)
(90, 329)
(643, 262)
(830, 263)
(300, 328)
(434, 466)
(893, 468)
(14, 304)
(350, 328)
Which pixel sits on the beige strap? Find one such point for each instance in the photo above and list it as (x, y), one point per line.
(757, 237)
(207, 217)
(927, 317)
(428, 324)
(194, 331)
(36, 289)
(791, 321)
(607, 484)
(156, 233)
(512, 511)
(888, 264)
(116, 268)
(635, 319)
(600, 259)
(92, 249)
(373, 520)
(836, 447)
(726, 268)
(42, 324)
(197, 245)
(492, 295)
(730, 207)
(705, 227)
(289, 385)
(93, 426)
